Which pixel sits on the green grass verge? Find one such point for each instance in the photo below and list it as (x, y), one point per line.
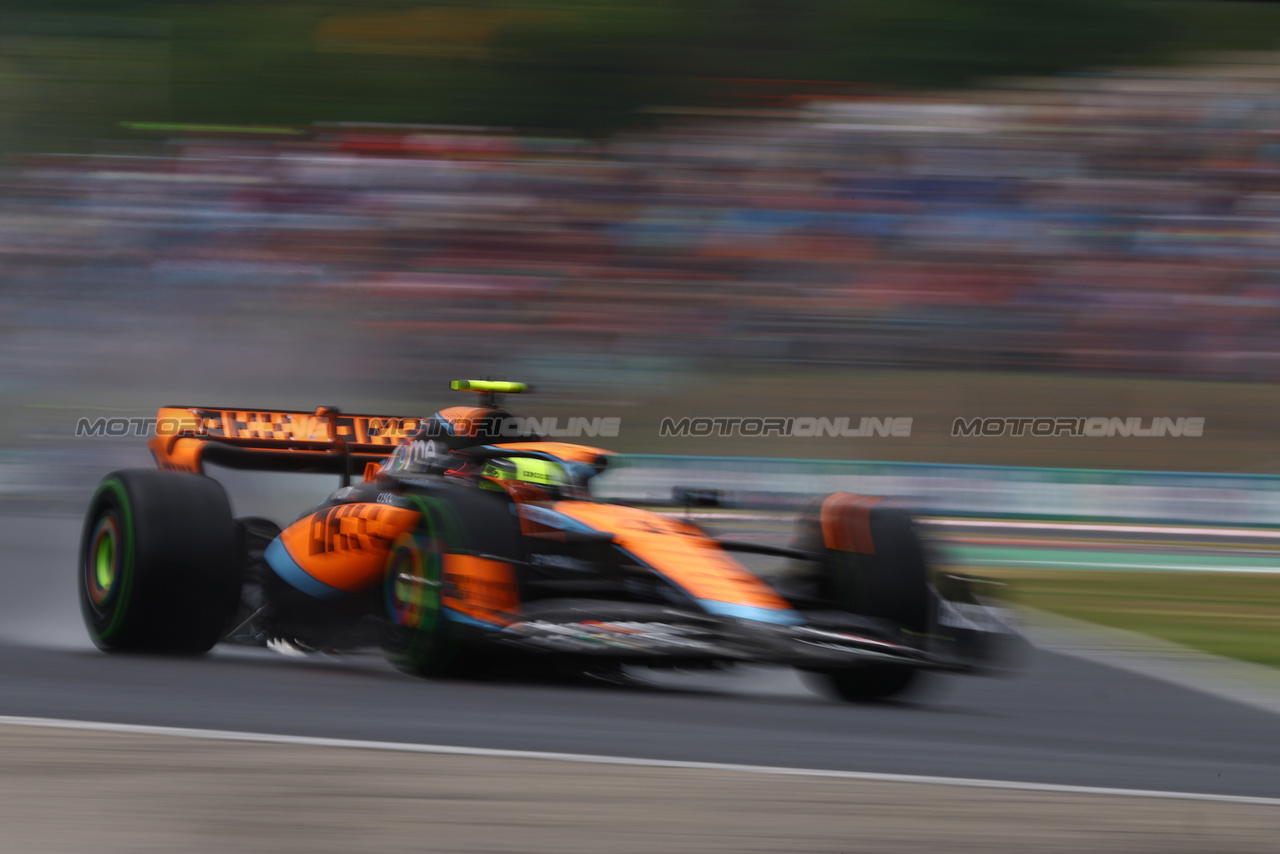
(1228, 614)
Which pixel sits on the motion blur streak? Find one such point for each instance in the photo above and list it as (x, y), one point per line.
(908, 212)
(1116, 223)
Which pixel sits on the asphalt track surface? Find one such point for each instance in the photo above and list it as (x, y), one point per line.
(1062, 721)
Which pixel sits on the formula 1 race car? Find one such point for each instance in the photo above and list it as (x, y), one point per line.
(470, 540)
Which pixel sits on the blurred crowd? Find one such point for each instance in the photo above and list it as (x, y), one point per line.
(1111, 222)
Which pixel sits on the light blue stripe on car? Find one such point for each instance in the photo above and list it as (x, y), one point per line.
(747, 612)
(459, 617)
(283, 564)
(551, 518)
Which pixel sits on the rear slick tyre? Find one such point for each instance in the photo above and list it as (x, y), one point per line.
(873, 682)
(160, 563)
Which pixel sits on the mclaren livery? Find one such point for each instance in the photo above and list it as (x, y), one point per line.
(467, 541)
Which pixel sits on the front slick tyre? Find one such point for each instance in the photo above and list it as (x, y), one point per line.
(160, 563)
(419, 638)
(873, 682)
(874, 566)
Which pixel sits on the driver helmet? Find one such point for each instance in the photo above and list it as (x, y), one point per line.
(557, 478)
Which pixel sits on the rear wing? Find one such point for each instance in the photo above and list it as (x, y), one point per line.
(325, 441)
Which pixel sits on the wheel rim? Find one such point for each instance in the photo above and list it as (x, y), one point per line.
(102, 564)
(413, 586)
(403, 600)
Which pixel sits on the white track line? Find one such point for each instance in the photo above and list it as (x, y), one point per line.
(1029, 525)
(1201, 531)
(730, 517)
(1136, 567)
(450, 750)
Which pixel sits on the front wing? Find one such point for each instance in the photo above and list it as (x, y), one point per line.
(968, 638)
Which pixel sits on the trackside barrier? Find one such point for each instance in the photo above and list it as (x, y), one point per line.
(958, 490)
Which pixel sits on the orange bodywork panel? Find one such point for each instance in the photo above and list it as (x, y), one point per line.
(481, 588)
(346, 546)
(181, 454)
(846, 522)
(679, 551)
(466, 420)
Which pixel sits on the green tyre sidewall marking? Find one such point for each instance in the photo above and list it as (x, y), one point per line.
(426, 643)
(116, 489)
(103, 554)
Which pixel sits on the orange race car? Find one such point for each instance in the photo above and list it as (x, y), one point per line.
(468, 542)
